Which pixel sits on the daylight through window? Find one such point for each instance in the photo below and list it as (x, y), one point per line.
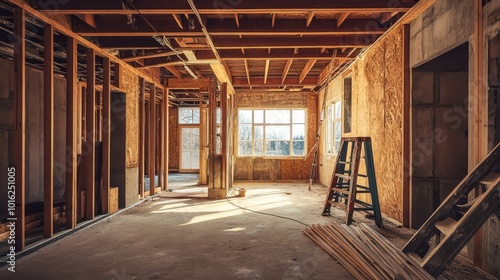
(271, 132)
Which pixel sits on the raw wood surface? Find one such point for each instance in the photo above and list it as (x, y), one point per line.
(364, 252)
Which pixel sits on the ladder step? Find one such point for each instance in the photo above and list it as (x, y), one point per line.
(489, 179)
(415, 257)
(343, 176)
(446, 226)
(362, 175)
(338, 204)
(344, 191)
(345, 162)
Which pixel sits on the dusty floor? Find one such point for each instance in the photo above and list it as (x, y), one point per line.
(182, 235)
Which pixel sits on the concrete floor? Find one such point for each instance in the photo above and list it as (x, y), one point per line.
(197, 238)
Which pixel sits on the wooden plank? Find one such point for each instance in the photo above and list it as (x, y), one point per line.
(203, 176)
(106, 134)
(48, 132)
(152, 138)
(20, 125)
(480, 109)
(228, 71)
(246, 7)
(341, 18)
(142, 134)
(237, 20)
(285, 70)
(178, 20)
(247, 71)
(82, 41)
(174, 71)
(224, 135)
(309, 18)
(266, 71)
(88, 153)
(166, 122)
(188, 83)
(71, 133)
(277, 42)
(406, 125)
(149, 55)
(307, 68)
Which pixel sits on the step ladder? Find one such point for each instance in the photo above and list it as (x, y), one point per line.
(344, 185)
(453, 223)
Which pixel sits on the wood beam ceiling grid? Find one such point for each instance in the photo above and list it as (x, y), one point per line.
(260, 36)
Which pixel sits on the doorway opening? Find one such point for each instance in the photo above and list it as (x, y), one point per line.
(439, 130)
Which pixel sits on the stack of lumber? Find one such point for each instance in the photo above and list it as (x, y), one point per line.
(364, 252)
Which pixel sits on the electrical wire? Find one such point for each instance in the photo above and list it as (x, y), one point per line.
(263, 213)
(164, 39)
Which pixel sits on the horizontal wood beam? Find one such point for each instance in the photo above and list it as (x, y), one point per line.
(226, 7)
(274, 81)
(275, 54)
(248, 27)
(149, 55)
(187, 83)
(352, 41)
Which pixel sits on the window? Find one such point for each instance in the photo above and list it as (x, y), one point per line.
(334, 128)
(271, 132)
(189, 115)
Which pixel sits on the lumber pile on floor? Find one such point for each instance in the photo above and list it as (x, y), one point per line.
(364, 252)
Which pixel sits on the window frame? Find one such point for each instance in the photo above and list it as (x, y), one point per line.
(264, 126)
(330, 139)
(192, 109)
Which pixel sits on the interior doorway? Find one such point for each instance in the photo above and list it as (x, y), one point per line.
(190, 149)
(439, 130)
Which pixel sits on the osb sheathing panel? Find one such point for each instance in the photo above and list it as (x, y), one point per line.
(277, 169)
(130, 83)
(173, 148)
(298, 168)
(333, 93)
(377, 95)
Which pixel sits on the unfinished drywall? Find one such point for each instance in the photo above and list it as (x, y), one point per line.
(377, 109)
(445, 25)
(267, 168)
(173, 145)
(34, 130)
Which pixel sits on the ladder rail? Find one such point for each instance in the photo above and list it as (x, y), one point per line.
(343, 188)
(466, 227)
(428, 230)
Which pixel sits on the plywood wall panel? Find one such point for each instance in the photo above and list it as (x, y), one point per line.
(377, 111)
(130, 83)
(173, 148)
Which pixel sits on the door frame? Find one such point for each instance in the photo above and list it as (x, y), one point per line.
(181, 126)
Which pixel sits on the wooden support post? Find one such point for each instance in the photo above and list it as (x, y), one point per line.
(20, 125)
(88, 151)
(203, 176)
(48, 133)
(106, 134)
(480, 118)
(406, 125)
(152, 138)
(159, 143)
(223, 135)
(142, 121)
(71, 133)
(165, 138)
(212, 135)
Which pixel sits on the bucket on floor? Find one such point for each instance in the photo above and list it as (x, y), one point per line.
(240, 192)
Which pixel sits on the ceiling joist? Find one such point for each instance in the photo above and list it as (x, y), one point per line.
(224, 7)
